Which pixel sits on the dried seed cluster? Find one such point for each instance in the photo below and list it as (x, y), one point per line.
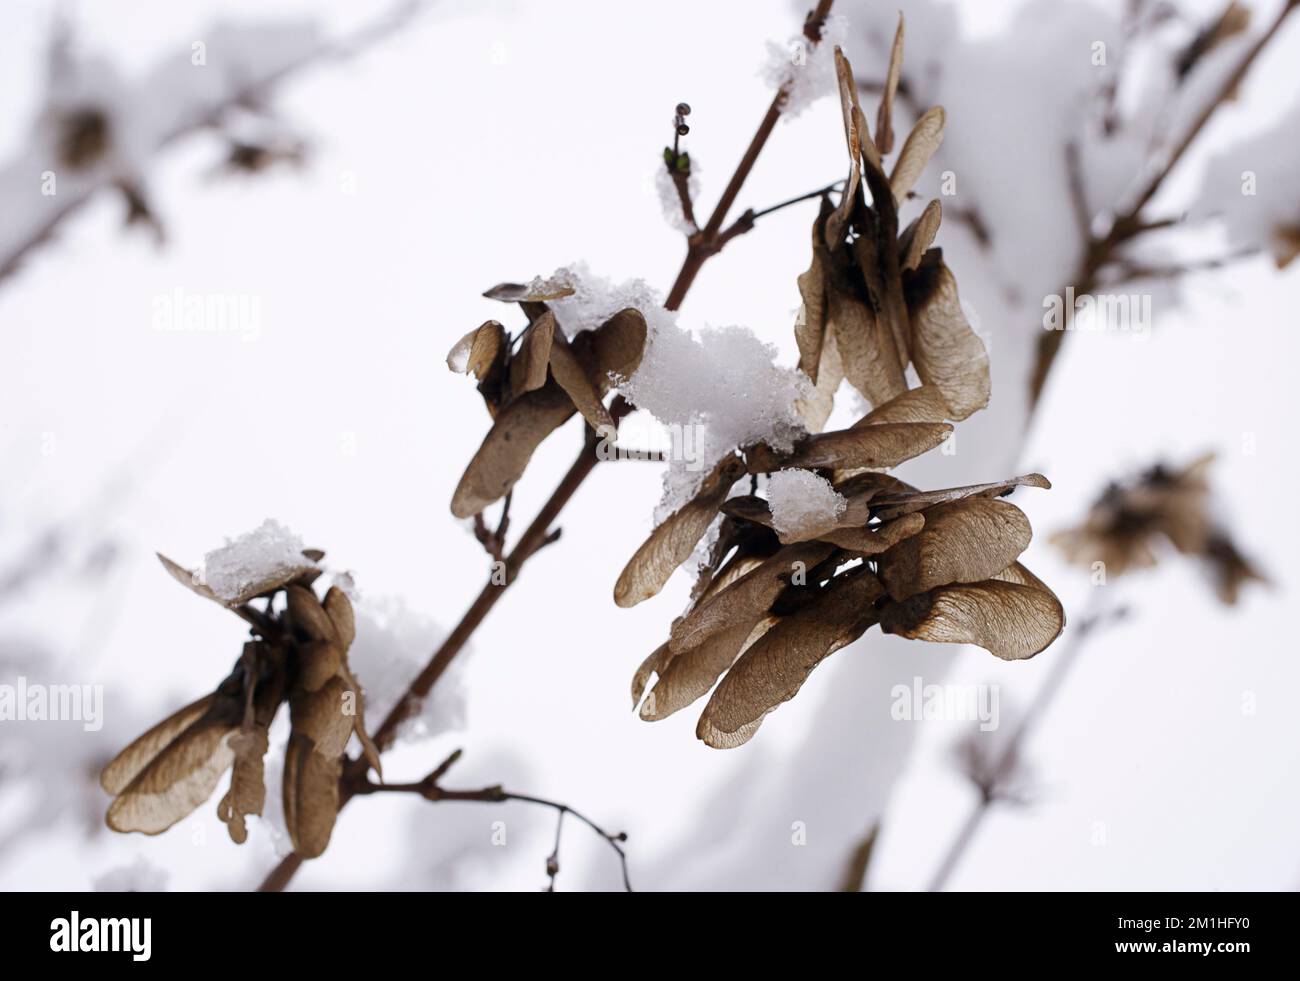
(533, 383)
(1130, 519)
(298, 655)
(930, 565)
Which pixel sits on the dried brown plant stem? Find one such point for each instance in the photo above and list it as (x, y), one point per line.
(1094, 617)
(251, 92)
(711, 239)
(538, 533)
(1105, 250)
(430, 789)
(534, 538)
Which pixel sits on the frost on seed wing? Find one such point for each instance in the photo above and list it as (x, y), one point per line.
(1011, 620)
(774, 669)
(962, 541)
(946, 351)
(803, 504)
(673, 541)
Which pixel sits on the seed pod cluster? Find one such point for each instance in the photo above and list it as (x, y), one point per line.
(771, 603)
(298, 655)
(534, 386)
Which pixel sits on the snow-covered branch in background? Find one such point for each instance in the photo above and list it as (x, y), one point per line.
(1132, 524)
(100, 131)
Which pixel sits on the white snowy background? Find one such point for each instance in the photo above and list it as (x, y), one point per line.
(497, 141)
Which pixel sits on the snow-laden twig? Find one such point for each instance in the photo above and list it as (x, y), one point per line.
(1130, 224)
(123, 127)
(538, 533)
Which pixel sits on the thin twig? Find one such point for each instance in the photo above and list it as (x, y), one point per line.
(1130, 271)
(430, 789)
(1078, 192)
(705, 243)
(1099, 252)
(745, 222)
(821, 192)
(539, 531)
(247, 94)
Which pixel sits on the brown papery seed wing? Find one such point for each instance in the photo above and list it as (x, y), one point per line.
(749, 597)
(692, 672)
(870, 365)
(946, 351)
(126, 765)
(528, 366)
(885, 114)
(775, 667)
(924, 404)
(477, 351)
(247, 793)
(810, 327)
(885, 445)
(919, 236)
(572, 376)
(1010, 620)
(516, 433)
(962, 541)
(311, 796)
(918, 148)
(188, 578)
(176, 781)
(672, 542)
(617, 346)
(888, 506)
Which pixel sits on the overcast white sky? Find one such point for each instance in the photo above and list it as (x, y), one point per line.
(498, 141)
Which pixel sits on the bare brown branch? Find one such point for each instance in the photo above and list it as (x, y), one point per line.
(539, 532)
